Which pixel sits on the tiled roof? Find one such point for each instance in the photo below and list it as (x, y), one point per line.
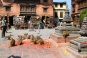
(60, 2)
(8, 1)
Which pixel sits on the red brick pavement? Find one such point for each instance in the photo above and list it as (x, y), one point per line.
(29, 50)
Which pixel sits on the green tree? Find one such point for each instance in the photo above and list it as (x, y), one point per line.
(83, 14)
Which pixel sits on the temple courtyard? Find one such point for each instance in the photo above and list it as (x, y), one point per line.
(50, 49)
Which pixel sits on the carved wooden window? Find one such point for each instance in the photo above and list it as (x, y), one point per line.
(61, 14)
(27, 9)
(45, 9)
(8, 8)
(33, 9)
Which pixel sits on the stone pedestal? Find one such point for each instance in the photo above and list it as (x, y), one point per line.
(72, 30)
(60, 39)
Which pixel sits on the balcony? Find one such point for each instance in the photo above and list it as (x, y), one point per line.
(27, 10)
(27, 13)
(82, 5)
(27, 1)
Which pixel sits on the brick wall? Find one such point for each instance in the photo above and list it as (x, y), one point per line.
(15, 10)
(39, 10)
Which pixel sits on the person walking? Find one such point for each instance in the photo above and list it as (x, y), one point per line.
(3, 24)
(0, 29)
(6, 27)
(39, 27)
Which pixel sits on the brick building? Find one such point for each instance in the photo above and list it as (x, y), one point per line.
(26, 8)
(77, 6)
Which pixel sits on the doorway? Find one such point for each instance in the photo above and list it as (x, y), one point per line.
(27, 18)
(43, 17)
(11, 20)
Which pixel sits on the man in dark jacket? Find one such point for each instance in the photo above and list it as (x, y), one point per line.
(3, 24)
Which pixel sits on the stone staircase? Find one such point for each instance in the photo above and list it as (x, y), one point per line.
(73, 47)
(75, 52)
(74, 43)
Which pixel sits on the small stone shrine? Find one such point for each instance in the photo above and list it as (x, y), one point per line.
(83, 30)
(67, 24)
(83, 39)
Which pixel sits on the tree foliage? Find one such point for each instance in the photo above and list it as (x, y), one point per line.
(83, 14)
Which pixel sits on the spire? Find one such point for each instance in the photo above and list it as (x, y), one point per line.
(67, 17)
(67, 9)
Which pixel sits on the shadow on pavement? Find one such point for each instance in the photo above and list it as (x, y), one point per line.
(12, 56)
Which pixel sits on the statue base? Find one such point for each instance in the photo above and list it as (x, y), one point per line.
(71, 29)
(59, 38)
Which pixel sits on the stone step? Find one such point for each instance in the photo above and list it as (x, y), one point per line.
(76, 47)
(75, 53)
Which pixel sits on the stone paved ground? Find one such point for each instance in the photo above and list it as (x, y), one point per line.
(28, 50)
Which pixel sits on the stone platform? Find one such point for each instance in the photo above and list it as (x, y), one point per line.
(60, 39)
(75, 53)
